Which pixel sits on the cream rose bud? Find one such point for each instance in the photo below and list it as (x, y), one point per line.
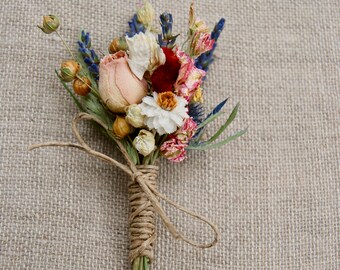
(144, 142)
(118, 86)
(145, 54)
(134, 116)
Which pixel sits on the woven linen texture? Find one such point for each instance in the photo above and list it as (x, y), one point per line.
(274, 193)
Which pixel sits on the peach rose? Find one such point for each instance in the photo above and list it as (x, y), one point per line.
(118, 86)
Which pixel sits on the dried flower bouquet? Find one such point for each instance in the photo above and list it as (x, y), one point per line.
(146, 95)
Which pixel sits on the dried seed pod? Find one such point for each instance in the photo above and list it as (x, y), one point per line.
(118, 44)
(82, 86)
(50, 24)
(69, 70)
(121, 128)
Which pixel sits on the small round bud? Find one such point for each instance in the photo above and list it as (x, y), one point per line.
(134, 116)
(118, 44)
(82, 86)
(121, 128)
(50, 24)
(144, 142)
(69, 70)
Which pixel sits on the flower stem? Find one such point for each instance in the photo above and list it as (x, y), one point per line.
(65, 45)
(141, 263)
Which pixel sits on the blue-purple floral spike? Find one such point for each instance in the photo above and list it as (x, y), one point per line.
(135, 27)
(90, 57)
(166, 39)
(197, 112)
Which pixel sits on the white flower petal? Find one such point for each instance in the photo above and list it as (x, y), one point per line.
(169, 126)
(150, 101)
(177, 119)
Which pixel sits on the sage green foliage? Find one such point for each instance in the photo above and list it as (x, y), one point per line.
(131, 150)
(197, 144)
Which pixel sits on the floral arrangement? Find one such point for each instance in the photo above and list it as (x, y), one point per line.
(147, 96)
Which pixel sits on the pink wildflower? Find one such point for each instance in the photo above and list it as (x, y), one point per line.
(174, 150)
(189, 77)
(187, 131)
(201, 43)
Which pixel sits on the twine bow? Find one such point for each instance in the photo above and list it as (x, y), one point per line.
(136, 176)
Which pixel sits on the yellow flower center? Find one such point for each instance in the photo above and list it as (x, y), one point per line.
(167, 101)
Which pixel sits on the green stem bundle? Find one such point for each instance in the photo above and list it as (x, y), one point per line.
(141, 263)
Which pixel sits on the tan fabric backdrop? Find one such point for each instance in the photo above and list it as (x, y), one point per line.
(274, 193)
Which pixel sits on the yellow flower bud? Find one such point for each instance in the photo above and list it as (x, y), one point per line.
(82, 86)
(50, 24)
(118, 44)
(198, 97)
(146, 14)
(69, 70)
(121, 128)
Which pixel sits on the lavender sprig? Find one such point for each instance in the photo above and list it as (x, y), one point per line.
(205, 59)
(197, 112)
(90, 57)
(135, 27)
(166, 39)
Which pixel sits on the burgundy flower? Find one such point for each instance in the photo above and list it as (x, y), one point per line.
(165, 76)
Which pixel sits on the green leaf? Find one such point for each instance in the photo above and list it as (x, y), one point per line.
(201, 127)
(223, 127)
(76, 101)
(209, 120)
(219, 144)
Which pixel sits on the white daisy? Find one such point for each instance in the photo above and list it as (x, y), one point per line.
(164, 112)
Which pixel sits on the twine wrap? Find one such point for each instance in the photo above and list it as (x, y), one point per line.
(144, 197)
(142, 214)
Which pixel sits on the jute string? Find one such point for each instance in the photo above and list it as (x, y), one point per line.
(142, 215)
(143, 195)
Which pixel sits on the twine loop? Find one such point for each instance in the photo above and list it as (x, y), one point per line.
(143, 195)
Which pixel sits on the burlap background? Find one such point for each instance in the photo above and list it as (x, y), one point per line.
(274, 193)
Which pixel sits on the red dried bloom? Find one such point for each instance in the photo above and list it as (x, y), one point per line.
(165, 76)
